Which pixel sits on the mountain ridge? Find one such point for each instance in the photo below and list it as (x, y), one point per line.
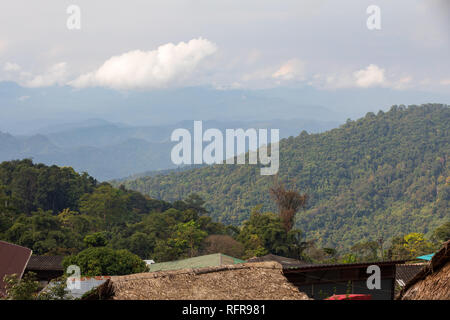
(378, 176)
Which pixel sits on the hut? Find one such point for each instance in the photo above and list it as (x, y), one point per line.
(320, 281)
(433, 281)
(248, 281)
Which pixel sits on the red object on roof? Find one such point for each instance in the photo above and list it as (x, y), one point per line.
(350, 297)
(13, 260)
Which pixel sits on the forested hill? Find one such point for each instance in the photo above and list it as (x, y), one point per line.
(382, 175)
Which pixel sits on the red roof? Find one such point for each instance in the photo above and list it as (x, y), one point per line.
(13, 260)
(350, 297)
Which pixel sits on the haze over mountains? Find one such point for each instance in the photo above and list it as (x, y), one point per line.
(113, 134)
(109, 151)
(28, 110)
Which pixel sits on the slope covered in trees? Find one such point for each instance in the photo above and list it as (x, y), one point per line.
(108, 230)
(381, 176)
(55, 210)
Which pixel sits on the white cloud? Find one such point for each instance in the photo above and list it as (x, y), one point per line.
(168, 64)
(445, 82)
(10, 66)
(402, 83)
(292, 69)
(56, 74)
(369, 77)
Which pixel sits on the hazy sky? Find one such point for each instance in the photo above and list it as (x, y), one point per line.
(146, 45)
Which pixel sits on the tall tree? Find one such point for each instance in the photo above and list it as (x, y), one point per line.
(288, 202)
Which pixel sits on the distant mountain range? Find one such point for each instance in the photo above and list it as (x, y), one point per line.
(28, 110)
(112, 150)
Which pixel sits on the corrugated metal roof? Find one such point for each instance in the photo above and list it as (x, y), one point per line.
(293, 264)
(13, 259)
(405, 272)
(302, 267)
(210, 260)
(45, 263)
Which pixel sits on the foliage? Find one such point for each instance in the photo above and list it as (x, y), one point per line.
(97, 215)
(224, 244)
(21, 289)
(442, 233)
(187, 236)
(56, 290)
(97, 239)
(104, 261)
(288, 202)
(410, 246)
(265, 233)
(382, 175)
(366, 251)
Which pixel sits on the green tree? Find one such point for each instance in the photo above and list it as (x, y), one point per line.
(21, 289)
(97, 239)
(103, 261)
(265, 233)
(410, 246)
(366, 251)
(188, 235)
(107, 203)
(442, 233)
(56, 290)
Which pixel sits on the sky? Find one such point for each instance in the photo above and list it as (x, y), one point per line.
(139, 45)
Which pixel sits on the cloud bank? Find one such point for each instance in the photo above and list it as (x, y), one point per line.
(292, 69)
(169, 64)
(369, 77)
(56, 74)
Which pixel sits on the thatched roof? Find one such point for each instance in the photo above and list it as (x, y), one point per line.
(433, 281)
(248, 281)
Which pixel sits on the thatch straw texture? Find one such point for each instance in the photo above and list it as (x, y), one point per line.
(249, 281)
(433, 281)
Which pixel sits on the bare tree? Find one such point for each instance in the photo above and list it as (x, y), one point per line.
(288, 202)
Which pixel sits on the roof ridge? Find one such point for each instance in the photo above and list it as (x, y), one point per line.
(199, 271)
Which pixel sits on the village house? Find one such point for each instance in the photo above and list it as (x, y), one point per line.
(433, 281)
(320, 281)
(13, 259)
(247, 281)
